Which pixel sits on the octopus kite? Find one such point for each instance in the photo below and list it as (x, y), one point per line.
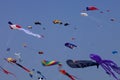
(108, 65)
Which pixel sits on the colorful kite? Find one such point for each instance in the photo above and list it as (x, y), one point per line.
(91, 8)
(67, 74)
(108, 65)
(18, 27)
(11, 60)
(49, 63)
(57, 22)
(81, 63)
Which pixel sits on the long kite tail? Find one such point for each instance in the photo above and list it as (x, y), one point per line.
(31, 33)
(67, 74)
(70, 76)
(23, 67)
(7, 72)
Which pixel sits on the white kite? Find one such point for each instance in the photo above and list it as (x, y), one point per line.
(84, 14)
(18, 55)
(18, 27)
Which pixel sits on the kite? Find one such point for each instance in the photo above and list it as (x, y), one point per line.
(91, 8)
(6, 71)
(24, 45)
(11, 60)
(57, 22)
(18, 55)
(42, 76)
(66, 24)
(8, 49)
(37, 23)
(38, 74)
(40, 52)
(60, 22)
(114, 52)
(39, 78)
(112, 19)
(70, 45)
(73, 38)
(18, 27)
(81, 63)
(83, 14)
(49, 63)
(108, 65)
(62, 71)
(67, 74)
(29, 27)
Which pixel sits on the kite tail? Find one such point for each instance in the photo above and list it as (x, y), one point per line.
(67, 74)
(70, 76)
(116, 69)
(7, 72)
(31, 33)
(24, 68)
(76, 77)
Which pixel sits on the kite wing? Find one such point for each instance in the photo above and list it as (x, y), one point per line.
(81, 63)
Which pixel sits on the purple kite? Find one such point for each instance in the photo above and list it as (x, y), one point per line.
(108, 65)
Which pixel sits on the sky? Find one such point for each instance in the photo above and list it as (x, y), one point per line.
(95, 33)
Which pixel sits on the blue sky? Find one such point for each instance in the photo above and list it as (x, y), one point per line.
(93, 34)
